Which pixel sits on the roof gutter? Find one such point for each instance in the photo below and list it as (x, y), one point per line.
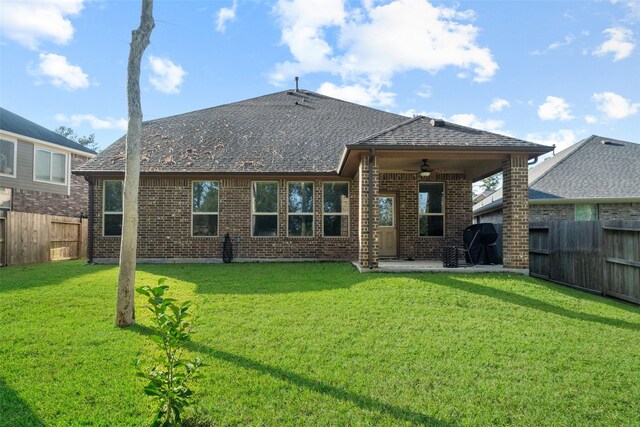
(560, 201)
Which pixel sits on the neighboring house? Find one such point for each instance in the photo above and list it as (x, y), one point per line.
(597, 178)
(35, 169)
(296, 174)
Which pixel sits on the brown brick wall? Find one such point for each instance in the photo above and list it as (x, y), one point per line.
(542, 213)
(515, 212)
(458, 214)
(164, 229)
(165, 221)
(55, 204)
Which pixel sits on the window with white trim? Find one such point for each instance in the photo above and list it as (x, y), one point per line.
(7, 158)
(264, 208)
(431, 209)
(112, 208)
(300, 209)
(204, 208)
(50, 166)
(335, 209)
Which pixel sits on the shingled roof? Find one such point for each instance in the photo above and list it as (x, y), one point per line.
(425, 131)
(11, 122)
(284, 132)
(594, 168)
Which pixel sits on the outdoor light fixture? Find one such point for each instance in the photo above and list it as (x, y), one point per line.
(425, 170)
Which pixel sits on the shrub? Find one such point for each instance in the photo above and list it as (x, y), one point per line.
(169, 378)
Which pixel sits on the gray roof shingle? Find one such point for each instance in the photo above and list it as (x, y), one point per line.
(589, 169)
(11, 122)
(284, 132)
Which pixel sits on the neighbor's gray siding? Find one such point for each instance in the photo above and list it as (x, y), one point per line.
(24, 177)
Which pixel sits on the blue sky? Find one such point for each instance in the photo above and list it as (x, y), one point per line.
(553, 72)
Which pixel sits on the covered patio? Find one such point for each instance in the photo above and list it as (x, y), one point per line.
(415, 193)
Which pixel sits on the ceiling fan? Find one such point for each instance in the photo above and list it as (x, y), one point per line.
(425, 169)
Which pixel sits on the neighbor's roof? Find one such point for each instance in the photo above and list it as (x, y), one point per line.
(284, 132)
(11, 122)
(594, 168)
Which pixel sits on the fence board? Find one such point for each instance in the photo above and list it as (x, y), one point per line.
(34, 238)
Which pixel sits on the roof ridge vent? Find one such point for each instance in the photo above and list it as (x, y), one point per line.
(437, 123)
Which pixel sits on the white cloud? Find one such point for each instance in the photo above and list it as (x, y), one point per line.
(167, 76)
(555, 108)
(31, 22)
(498, 104)
(412, 113)
(562, 139)
(96, 123)
(567, 41)
(590, 119)
(615, 106)
(471, 120)
(226, 14)
(424, 91)
(620, 43)
(359, 94)
(377, 41)
(61, 73)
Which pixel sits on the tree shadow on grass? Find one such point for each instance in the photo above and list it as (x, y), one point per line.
(528, 302)
(363, 402)
(260, 278)
(14, 411)
(23, 277)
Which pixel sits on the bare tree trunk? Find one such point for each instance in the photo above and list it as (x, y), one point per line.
(125, 312)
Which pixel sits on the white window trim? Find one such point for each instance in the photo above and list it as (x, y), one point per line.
(104, 212)
(52, 152)
(347, 214)
(205, 213)
(311, 214)
(276, 213)
(443, 214)
(15, 158)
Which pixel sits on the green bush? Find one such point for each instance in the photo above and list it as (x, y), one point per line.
(169, 378)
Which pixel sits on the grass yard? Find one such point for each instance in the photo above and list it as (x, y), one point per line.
(320, 344)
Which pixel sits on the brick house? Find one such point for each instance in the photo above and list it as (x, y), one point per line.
(298, 175)
(35, 169)
(597, 178)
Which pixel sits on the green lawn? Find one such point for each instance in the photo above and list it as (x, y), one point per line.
(319, 344)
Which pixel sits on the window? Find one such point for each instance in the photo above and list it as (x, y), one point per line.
(431, 209)
(335, 209)
(204, 209)
(5, 198)
(264, 209)
(112, 208)
(300, 218)
(586, 212)
(50, 166)
(7, 158)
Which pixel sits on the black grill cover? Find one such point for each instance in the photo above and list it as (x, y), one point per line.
(480, 243)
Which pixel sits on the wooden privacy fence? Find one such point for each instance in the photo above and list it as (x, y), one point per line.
(598, 256)
(31, 238)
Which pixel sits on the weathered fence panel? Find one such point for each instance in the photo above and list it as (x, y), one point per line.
(596, 256)
(33, 238)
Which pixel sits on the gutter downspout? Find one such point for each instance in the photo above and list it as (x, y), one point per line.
(90, 219)
(372, 153)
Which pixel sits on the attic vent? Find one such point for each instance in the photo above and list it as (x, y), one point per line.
(605, 142)
(437, 123)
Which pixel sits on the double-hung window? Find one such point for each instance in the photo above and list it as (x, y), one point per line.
(335, 205)
(112, 208)
(431, 209)
(50, 166)
(264, 208)
(7, 158)
(204, 208)
(300, 211)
